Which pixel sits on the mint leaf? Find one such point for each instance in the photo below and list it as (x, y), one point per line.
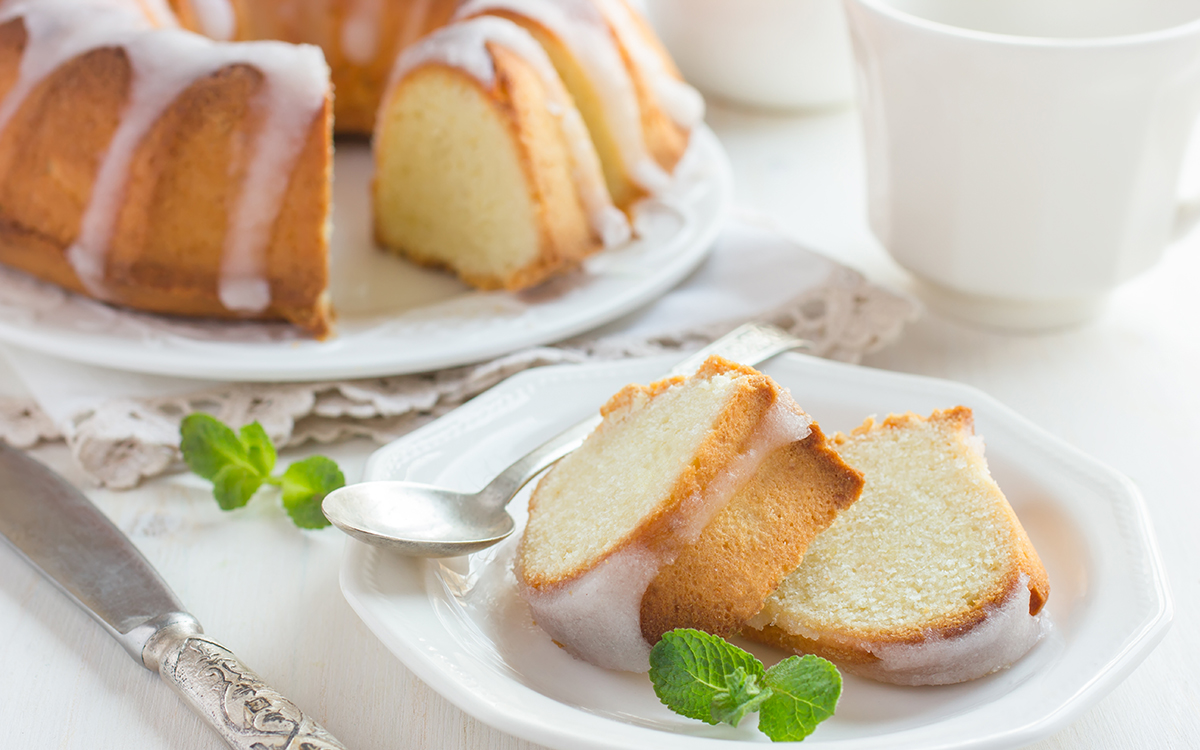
(742, 696)
(234, 484)
(239, 463)
(209, 446)
(305, 484)
(260, 452)
(805, 692)
(704, 677)
(689, 669)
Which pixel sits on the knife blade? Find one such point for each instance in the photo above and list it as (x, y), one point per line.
(61, 533)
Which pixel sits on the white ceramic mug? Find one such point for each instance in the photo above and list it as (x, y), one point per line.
(1023, 156)
(776, 54)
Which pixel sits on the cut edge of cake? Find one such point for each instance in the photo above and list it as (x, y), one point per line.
(863, 599)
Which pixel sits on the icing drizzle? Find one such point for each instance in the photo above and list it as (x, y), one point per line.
(581, 26)
(463, 45)
(165, 61)
(681, 102)
(216, 18)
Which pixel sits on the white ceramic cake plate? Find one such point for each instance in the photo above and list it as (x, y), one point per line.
(393, 317)
(460, 627)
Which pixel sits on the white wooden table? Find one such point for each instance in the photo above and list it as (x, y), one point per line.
(1125, 389)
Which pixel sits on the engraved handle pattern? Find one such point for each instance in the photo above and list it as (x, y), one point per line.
(243, 709)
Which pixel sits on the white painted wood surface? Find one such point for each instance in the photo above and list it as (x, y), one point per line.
(1125, 389)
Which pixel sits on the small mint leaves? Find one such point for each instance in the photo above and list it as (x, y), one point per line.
(239, 463)
(742, 695)
(705, 677)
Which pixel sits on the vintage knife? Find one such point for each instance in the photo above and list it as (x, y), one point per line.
(58, 530)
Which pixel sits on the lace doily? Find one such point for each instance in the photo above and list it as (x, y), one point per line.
(123, 441)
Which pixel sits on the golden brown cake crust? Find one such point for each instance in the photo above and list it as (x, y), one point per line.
(165, 252)
(752, 543)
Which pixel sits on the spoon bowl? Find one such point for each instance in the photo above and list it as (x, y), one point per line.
(422, 520)
(418, 519)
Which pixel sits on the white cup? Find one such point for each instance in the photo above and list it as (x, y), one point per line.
(1023, 156)
(776, 54)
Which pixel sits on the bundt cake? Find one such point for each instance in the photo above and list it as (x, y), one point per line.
(929, 578)
(149, 167)
(155, 168)
(638, 110)
(661, 519)
(482, 163)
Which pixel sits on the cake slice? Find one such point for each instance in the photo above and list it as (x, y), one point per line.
(483, 164)
(929, 578)
(685, 508)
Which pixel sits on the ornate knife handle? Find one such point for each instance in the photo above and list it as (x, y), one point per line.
(244, 710)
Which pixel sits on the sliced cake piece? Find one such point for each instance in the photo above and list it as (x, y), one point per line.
(621, 80)
(929, 578)
(483, 164)
(685, 508)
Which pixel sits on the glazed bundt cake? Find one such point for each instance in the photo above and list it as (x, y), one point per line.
(929, 578)
(154, 168)
(661, 518)
(149, 167)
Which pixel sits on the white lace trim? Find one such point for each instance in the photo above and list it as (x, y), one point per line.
(125, 440)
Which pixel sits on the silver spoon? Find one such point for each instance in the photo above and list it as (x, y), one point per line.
(426, 521)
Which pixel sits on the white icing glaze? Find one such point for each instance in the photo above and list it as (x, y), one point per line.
(216, 18)
(298, 80)
(681, 102)
(464, 45)
(586, 32)
(597, 615)
(360, 31)
(158, 12)
(1006, 633)
(164, 63)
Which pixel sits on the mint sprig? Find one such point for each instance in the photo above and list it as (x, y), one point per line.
(705, 677)
(239, 463)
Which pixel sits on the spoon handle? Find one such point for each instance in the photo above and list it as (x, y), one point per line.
(748, 344)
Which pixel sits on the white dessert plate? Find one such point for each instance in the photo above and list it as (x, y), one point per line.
(459, 625)
(393, 317)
